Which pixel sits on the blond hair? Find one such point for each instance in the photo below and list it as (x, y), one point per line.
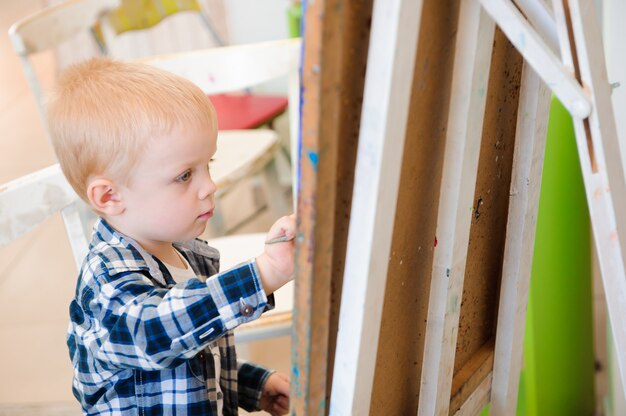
(102, 111)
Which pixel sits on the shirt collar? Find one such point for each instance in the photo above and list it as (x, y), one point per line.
(130, 256)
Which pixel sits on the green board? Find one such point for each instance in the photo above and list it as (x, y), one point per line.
(558, 375)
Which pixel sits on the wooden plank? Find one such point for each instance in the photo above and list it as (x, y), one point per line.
(401, 339)
(539, 55)
(470, 73)
(390, 64)
(478, 400)
(471, 376)
(542, 19)
(600, 158)
(333, 70)
(483, 270)
(532, 122)
(353, 22)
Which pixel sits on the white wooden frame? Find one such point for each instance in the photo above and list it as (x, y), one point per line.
(526, 40)
(472, 63)
(604, 183)
(541, 18)
(604, 180)
(596, 138)
(390, 63)
(528, 156)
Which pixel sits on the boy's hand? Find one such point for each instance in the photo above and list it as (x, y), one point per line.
(276, 263)
(275, 396)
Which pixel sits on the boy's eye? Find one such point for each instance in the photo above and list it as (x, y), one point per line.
(184, 177)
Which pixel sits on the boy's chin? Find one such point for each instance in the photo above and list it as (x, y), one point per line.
(197, 232)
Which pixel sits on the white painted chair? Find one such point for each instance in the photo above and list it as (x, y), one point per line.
(235, 68)
(29, 201)
(142, 28)
(48, 29)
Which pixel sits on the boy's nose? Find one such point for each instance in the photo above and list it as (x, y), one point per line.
(207, 188)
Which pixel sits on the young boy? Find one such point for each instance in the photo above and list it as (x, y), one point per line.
(152, 319)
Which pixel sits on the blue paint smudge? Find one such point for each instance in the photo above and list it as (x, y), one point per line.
(313, 158)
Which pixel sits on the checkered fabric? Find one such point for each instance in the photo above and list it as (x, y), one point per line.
(138, 341)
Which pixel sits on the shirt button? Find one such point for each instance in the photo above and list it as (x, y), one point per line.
(246, 310)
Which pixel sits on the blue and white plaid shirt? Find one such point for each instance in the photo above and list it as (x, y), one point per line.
(138, 341)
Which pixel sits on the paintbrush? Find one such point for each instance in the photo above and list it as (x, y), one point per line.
(282, 239)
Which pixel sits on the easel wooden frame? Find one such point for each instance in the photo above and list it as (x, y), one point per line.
(333, 68)
(465, 124)
(350, 390)
(598, 148)
(390, 68)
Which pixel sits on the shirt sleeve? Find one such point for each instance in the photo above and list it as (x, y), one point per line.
(127, 322)
(250, 381)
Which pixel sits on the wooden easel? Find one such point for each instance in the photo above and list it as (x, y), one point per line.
(598, 148)
(390, 69)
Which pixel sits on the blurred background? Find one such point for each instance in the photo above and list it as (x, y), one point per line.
(37, 273)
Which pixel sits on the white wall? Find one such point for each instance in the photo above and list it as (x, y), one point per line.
(256, 21)
(614, 34)
(251, 21)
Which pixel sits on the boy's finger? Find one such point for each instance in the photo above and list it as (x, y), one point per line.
(282, 401)
(281, 410)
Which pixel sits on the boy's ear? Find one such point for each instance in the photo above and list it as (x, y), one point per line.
(104, 196)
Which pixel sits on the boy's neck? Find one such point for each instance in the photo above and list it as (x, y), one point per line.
(172, 258)
(162, 250)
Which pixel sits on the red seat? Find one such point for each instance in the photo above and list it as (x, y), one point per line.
(246, 111)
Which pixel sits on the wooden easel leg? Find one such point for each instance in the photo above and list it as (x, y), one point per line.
(391, 59)
(476, 402)
(532, 121)
(325, 154)
(465, 123)
(600, 158)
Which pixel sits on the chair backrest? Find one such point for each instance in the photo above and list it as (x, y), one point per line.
(134, 15)
(30, 200)
(148, 27)
(50, 27)
(140, 14)
(235, 68)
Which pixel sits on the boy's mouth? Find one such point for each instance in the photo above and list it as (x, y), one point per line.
(206, 215)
